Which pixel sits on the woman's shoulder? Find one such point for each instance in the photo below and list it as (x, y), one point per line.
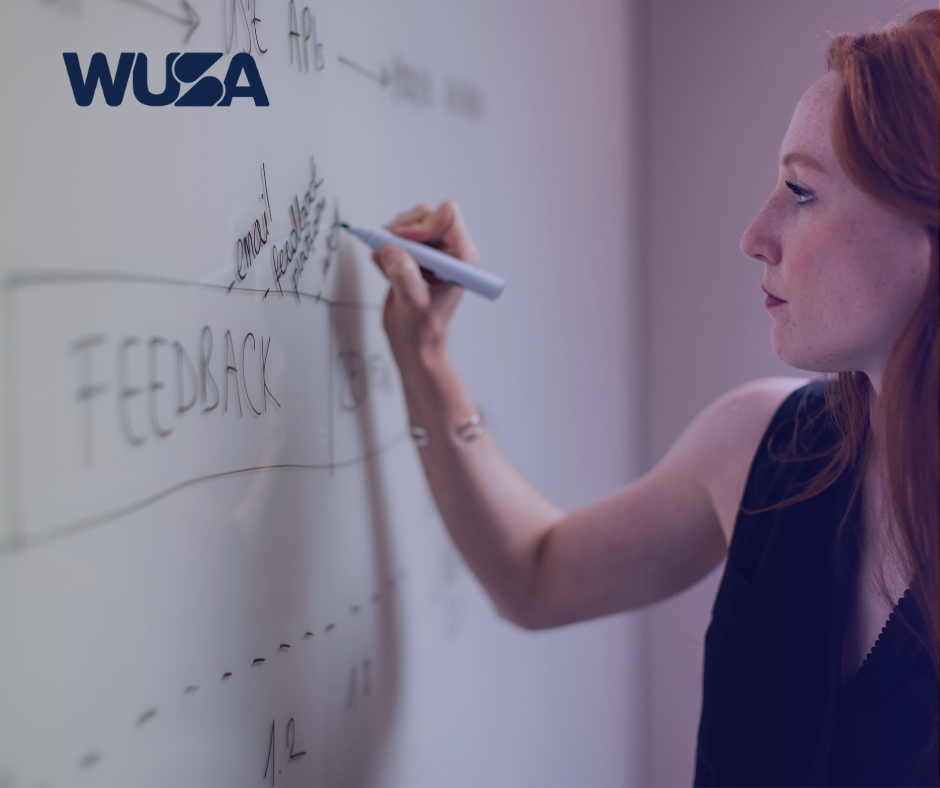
(731, 429)
(754, 405)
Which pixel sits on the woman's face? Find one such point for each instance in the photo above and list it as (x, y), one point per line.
(842, 272)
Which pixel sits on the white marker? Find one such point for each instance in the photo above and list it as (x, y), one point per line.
(443, 266)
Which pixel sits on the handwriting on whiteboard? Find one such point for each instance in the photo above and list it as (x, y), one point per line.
(306, 214)
(301, 42)
(416, 86)
(291, 254)
(249, 246)
(135, 397)
(128, 388)
(240, 25)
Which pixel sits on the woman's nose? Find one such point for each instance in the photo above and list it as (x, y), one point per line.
(760, 239)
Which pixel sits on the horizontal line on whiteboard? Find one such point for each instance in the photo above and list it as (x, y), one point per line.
(22, 279)
(87, 523)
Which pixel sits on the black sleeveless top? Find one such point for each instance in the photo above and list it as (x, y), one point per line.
(773, 710)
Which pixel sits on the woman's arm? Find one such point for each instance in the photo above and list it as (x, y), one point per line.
(541, 567)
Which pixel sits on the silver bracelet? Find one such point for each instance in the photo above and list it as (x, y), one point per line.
(470, 431)
(420, 436)
(473, 429)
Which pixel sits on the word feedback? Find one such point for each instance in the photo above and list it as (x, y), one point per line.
(138, 394)
(188, 68)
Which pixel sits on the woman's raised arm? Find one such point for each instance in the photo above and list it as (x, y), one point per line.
(541, 567)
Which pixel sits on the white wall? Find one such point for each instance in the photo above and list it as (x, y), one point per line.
(724, 76)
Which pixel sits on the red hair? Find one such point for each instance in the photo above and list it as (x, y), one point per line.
(886, 135)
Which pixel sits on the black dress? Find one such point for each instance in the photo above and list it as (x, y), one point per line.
(773, 709)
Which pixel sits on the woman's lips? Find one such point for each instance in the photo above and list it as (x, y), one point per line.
(772, 300)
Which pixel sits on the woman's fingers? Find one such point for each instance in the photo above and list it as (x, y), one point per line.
(404, 276)
(444, 229)
(415, 216)
(455, 235)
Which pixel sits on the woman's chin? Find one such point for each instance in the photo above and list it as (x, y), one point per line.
(781, 346)
(791, 353)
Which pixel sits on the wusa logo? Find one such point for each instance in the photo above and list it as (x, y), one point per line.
(187, 68)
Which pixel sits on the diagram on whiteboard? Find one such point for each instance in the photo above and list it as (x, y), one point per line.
(192, 380)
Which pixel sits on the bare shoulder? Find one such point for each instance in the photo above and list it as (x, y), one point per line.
(725, 436)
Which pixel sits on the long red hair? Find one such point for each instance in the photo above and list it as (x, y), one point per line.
(886, 135)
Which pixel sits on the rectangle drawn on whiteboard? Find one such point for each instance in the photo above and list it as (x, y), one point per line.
(125, 389)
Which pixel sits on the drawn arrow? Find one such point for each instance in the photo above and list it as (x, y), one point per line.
(383, 79)
(191, 19)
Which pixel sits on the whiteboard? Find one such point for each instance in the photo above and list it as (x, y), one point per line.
(219, 561)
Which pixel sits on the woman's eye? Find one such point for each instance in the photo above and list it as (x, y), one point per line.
(803, 195)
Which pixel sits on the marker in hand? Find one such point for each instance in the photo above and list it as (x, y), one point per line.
(443, 266)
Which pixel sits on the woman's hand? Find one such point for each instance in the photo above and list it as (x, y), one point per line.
(419, 306)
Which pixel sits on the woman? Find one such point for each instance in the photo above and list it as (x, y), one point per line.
(822, 497)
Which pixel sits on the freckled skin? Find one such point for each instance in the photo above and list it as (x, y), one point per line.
(850, 270)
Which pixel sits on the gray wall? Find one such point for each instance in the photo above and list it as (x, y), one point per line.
(723, 79)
